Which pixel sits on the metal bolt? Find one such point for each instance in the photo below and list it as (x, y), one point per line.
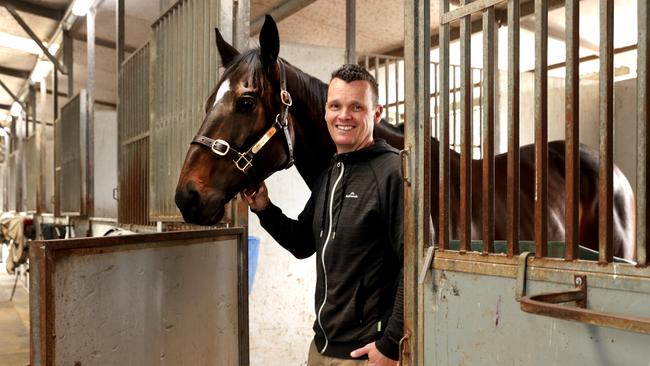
(578, 281)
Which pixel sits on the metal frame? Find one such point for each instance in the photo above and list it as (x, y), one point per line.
(44, 256)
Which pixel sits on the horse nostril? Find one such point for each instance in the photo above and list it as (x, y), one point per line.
(188, 199)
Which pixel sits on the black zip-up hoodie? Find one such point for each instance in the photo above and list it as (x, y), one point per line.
(353, 221)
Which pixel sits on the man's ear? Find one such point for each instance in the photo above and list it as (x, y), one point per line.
(379, 109)
(226, 52)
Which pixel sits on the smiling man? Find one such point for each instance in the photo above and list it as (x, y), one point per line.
(353, 221)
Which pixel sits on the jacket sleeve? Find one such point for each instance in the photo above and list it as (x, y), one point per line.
(388, 344)
(294, 235)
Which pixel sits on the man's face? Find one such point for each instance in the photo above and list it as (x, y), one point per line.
(350, 114)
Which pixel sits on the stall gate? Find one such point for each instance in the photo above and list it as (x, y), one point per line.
(32, 172)
(150, 299)
(487, 303)
(133, 140)
(70, 157)
(184, 68)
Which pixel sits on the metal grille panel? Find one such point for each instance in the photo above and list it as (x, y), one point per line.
(11, 183)
(47, 168)
(183, 71)
(68, 163)
(133, 125)
(33, 173)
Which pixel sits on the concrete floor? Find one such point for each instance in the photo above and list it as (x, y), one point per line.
(14, 322)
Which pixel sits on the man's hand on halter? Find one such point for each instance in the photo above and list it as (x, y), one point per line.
(257, 200)
(375, 358)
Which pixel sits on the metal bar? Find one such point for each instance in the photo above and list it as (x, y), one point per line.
(572, 130)
(279, 12)
(488, 120)
(34, 37)
(55, 93)
(466, 93)
(443, 154)
(102, 42)
(386, 64)
(643, 83)
(606, 102)
(377, 68)
(68, 61)
(350, 32)
(90, 131)
(119, 59)
(623, 49)
(546, 304)
(466, 10)
(541, 128)
(397, 91)
(416, 196)
(17, 73)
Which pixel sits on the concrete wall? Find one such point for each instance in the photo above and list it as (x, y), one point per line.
(281, 305)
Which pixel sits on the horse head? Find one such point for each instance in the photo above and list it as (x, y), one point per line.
(246, 133)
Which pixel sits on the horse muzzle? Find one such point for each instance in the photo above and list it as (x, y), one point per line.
(195, 209)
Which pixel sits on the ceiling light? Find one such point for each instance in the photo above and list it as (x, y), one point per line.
(19, 43)
(41, 70)
(80, 7)
(16, 108)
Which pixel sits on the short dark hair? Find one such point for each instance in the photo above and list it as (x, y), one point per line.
(352, 72)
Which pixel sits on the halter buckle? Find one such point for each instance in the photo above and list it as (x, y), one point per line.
(221, 142)
(248, 163)
(285, 97)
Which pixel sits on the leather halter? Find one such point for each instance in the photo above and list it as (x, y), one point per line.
(244, 161)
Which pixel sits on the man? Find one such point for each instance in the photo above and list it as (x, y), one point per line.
(353, 222)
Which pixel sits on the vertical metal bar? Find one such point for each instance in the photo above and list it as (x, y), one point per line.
(572, 152)
(512, 196)
(443, 154)
(643, 82)
(454, 104)
(386, 74)
(397, 91)
(366, 62)
(90, 131)
(606, 102)
(376, 68)
(68, 61)
(350, 31)
(436, 93)
(416, 195)
(488, 113)
(541, 127)
(119, 50)
(55, 93)
(466, 91)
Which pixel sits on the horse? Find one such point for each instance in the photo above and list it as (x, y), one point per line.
(265, 114)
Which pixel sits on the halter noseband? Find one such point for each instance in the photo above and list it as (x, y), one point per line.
(244, 161)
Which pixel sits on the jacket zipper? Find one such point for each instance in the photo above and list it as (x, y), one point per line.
(327, 238)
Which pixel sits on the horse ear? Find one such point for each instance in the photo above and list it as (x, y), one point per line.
(269, 41)
(226, 52)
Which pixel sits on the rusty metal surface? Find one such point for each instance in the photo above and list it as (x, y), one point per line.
(606, 143)
(133, 127)
(488, 94)
(52, 261)
(466, 98)
(541, 127)
(512, 196)
(572, 154)
(643, 84)
(417, 136)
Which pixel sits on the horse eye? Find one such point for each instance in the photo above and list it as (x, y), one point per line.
(245, 104)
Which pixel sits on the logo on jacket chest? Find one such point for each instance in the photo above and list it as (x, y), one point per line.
(351, 195)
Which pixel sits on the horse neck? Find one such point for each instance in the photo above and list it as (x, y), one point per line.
(313, 144)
